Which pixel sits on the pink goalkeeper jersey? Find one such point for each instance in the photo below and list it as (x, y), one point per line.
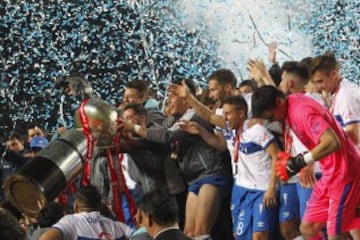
(309, 120)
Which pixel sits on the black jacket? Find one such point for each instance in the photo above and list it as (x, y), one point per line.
(196, 158)
(172, 234)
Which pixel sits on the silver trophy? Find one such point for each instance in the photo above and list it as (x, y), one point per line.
(44, 177)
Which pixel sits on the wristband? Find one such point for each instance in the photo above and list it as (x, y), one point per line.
(308, 158)
(137, 128)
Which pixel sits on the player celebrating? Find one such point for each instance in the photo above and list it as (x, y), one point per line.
(336, 197)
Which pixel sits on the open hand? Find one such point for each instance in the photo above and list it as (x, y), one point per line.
(269, 199)
(182, 90)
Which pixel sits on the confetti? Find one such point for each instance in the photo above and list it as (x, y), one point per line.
(111, 42)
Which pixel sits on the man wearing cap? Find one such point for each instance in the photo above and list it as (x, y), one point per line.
(36, 144)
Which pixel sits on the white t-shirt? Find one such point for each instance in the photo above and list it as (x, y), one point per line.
(247, 97)
(346, 103)
(254, 166)
(317, 97)
(92, 225)
(130, 183)
(219, 112)
(229, 138)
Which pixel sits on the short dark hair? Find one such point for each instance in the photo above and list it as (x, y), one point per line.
(10, 228)
(249, 82)
(50, 214)
(16, 135)
(264, 98)
(161, 206)
(139, 109)
(89, 197)
(238, 101)
(8, 206)
(32, 125)
(307, 61)
(140, 85)
(191, 85)
(299, 69)
(224, 76)
(326, 62)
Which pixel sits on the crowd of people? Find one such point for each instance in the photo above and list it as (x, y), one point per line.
(273, 157)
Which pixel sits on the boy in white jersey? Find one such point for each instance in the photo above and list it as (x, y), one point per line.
(345, 95)
(87, 222)
(254, 193)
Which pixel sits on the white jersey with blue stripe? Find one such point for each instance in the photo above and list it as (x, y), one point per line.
(254, 166)
(229, 136)
(346, 103)
(91, 226)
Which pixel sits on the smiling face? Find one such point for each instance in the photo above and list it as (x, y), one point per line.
(177, 106)
(131, 95)
(218, 92)
(234, 116)
(327, 81)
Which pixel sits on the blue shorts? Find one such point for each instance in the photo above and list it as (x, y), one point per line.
(289, 202)
(304, 195)
(248, 213)
(217, 181)
(126, 211)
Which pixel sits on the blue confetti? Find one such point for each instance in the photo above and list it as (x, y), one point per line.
(111, 42)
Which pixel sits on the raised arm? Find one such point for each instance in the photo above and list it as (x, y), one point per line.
(259, 73)
(158, 134)
(215, 140)
(203, 111)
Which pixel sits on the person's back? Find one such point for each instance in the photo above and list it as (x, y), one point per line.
(87, 221)
(91, 225)
(48, 216)
(341, 165)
